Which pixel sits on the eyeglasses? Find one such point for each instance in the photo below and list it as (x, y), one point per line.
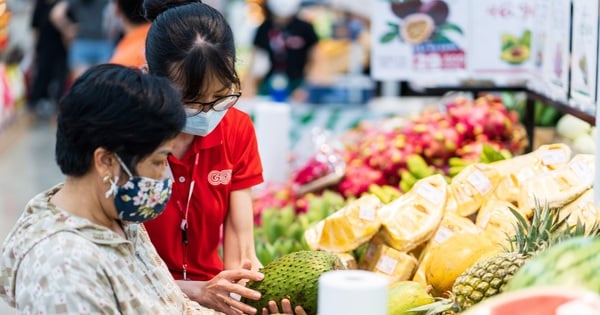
(220, 104)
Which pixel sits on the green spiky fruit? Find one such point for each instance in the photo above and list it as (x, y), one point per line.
(295, 277)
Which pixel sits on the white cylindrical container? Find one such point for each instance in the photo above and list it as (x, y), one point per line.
(272, 124)
(352, 292)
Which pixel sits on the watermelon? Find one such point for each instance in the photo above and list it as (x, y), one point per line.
(540, 301)
(574, 262)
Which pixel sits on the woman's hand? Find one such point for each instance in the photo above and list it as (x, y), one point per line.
(286, 307)
(216, 293)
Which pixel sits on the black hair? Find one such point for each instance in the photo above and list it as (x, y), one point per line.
(117, 108)
(133, 10)
(191, 43)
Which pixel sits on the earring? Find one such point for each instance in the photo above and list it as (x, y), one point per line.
(106, 179)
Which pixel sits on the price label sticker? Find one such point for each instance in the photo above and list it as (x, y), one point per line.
(387, 264)
(430, 193)
(553, 157)
(480, 182)
(367, 214)
(583, 171)
(485, 219)
(442, 234)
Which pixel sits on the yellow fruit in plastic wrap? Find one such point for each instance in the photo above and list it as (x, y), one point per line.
(347, 228)
(451, 224)
(450, 258)
(348, 260)
(412, 219)
(559, 187)
(496, 220)
(517, 170)
(387, 261)
(583, 210)
(472, 186)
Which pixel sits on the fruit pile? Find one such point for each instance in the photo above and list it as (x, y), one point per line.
(493, 228)
(385, 159)
(455, 135)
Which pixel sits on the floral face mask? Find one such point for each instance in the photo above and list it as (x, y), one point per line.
(141, 198)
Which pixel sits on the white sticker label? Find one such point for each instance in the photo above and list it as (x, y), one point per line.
(480, 182)
(430, 193)
(583, 171)
(553, 157)
(387, 264)
(485, 220)
(367, 214)
(442, 234)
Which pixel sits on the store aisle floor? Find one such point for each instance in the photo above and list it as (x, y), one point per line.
(27, 167)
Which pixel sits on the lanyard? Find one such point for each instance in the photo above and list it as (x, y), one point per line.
(184, 220)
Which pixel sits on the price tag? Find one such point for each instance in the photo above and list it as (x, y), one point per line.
(485, 220)
(367, 214)
(387, 264)
(583, 171)
(553, 157)
(430, 193)
(480, 182)
(442, 234)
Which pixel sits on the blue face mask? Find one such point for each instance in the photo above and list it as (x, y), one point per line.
(203, 123)
(141, 198)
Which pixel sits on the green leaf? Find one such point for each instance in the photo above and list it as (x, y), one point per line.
(508, 41)
(388, 37)
(450, 27)
(439, 37)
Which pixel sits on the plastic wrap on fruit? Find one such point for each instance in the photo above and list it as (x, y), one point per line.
(472, 187)
(517, 170)
(387, 261)
(323, 166)
(412, 219)
(559, 187)
(583, 210)
(348, 228)
(348, 260)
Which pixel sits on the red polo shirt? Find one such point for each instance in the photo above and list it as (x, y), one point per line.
(228, 160)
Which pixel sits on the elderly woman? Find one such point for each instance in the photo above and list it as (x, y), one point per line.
(78, 247)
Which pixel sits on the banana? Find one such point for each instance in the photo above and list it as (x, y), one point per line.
(418, 167)
(457, 161)
(454, 170)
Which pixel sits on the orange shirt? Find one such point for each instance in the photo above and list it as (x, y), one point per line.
(225, 160)
(131, 49)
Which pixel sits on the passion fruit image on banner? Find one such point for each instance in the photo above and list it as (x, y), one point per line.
(418, 22)
(516, 49)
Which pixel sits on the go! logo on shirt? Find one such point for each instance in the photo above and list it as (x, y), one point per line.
(217, 177)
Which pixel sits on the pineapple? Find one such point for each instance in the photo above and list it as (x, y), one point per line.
(488, 277)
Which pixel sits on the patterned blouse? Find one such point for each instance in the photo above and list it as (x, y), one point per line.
(54, 262)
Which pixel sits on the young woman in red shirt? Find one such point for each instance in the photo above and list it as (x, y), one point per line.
(215, 161)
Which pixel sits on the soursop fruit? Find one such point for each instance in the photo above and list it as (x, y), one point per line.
(294, 276)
